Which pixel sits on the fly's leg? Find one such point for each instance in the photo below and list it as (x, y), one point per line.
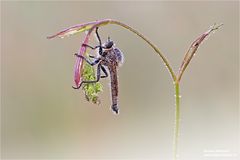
(104, 71)
(99, 46)
(98, 37)
(94, 81)
(100, 42)
(93, 48)
(88, 61)
(92, 56)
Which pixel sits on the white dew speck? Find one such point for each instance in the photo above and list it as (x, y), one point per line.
(179, 96)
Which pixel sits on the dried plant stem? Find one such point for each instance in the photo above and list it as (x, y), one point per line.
(193, 48)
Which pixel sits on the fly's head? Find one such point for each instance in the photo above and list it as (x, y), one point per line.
(108, 45)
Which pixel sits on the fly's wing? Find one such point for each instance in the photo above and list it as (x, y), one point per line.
(119, 56)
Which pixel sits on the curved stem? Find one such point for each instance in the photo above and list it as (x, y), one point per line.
(90, 26)
(165, 61)
(177, 119)
(173, 75)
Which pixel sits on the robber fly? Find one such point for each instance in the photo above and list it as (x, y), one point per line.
(111, 58)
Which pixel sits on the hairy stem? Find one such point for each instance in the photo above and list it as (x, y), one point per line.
(177, 119)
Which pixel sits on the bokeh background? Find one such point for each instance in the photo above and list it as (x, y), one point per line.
(42, 117)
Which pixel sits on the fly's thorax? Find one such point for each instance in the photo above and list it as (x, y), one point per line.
(109, 58)
(111, 55)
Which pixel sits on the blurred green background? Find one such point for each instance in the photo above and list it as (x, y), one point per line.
(42, 117)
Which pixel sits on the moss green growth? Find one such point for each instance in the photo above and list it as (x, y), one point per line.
(91, 90)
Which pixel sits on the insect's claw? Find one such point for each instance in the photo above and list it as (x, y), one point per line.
(76, 87)
(77, 55)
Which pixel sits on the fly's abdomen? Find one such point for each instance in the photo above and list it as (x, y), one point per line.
(114, 89)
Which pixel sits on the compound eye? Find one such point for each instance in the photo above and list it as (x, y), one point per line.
(109, 44)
